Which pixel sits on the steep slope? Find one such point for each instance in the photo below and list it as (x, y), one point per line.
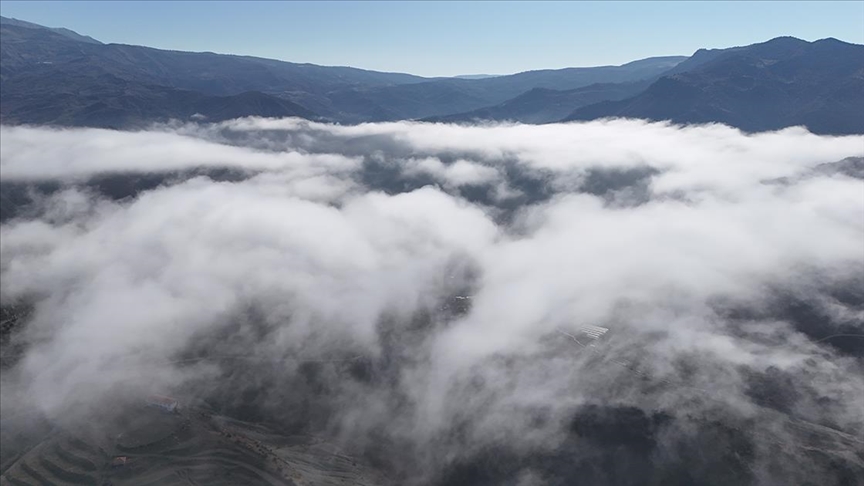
(780, 83)
(59, 30)
(46, 96)
(192, 446)
(52, 78)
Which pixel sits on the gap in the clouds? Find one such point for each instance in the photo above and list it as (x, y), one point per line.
(519, 189)
(828, 311)
(23, 199)
(849, 167)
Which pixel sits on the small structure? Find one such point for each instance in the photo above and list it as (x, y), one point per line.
(593, 332)
(119, 461)
(164, 403)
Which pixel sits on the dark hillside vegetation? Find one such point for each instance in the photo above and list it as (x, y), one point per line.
(780, 83)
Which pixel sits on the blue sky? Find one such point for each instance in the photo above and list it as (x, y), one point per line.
(446, 37)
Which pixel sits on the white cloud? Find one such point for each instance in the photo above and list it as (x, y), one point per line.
(335, 264)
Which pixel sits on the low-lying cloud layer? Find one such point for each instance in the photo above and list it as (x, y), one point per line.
(418, 290)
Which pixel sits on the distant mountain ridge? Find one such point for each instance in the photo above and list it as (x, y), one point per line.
(544, 105)
(767, 86)
(57, 76)
(59, 30)
(477, 76)
(439, 97)
(344, 94)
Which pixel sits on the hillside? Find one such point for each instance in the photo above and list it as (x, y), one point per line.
(776, 84)
(45, 96)
(66, 62)
(64, 32)
(83, 77)
(191, 446)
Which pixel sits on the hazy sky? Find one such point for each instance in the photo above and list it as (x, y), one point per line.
(448, 38)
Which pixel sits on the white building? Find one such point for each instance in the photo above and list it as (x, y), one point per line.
(167, 404)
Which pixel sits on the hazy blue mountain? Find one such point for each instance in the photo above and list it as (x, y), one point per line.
(59, 30)
(216, 74)
(779, 83)
(337, 93)
(543, 105)
(507, 87)
(779, 47)
(477, 76)
(54, 75)
(48, 78)
(110, 102)
(38, 61)
(409, 101)
(447, 96)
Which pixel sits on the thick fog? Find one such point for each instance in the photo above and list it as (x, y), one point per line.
(419, 292)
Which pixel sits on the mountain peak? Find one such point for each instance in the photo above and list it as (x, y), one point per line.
(783, 41)
(775, 84)
(832, 41)
(786, 38)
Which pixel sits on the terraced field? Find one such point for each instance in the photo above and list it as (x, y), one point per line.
(307, 460)
(184, 449)
(61, 460)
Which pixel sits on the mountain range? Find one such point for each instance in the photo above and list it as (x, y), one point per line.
(776, 84)
(57, 76)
